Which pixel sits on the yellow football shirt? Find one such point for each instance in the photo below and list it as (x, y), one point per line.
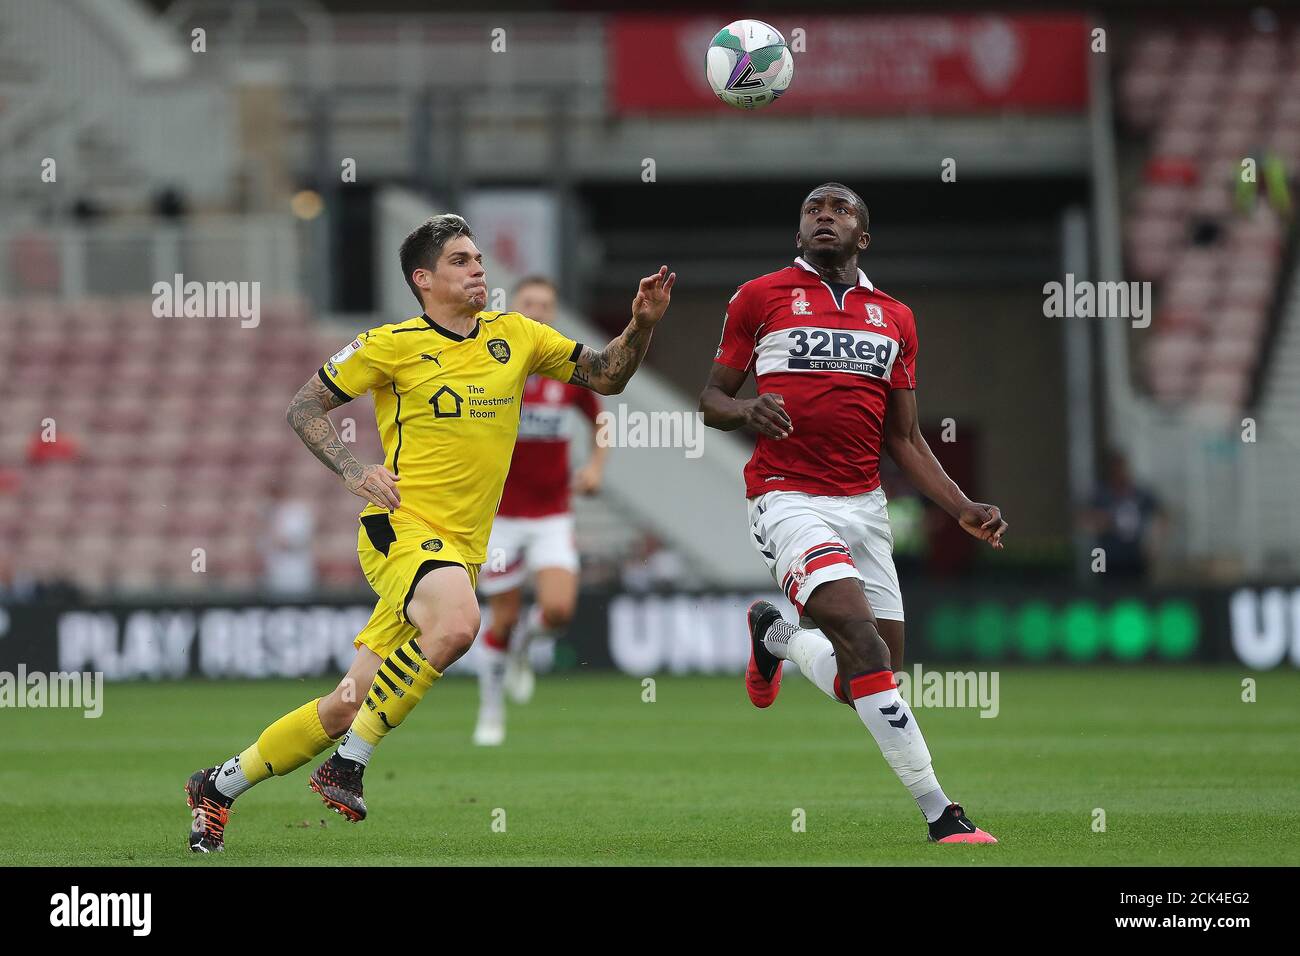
(447, 407)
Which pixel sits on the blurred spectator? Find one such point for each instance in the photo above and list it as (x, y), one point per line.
(290, 569)
(1126, 522)
(1206, 231)
(85, 209)
(653, 565)
(169, 203)
(1271, 175)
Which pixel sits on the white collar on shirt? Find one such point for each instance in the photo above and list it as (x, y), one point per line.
(863, 281)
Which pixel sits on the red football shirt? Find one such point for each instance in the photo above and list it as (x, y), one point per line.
(834, 362)
(538, 483)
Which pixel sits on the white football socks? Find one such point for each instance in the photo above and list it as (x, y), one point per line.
(808, 649)
(899, 738)
(231, 781)
(355, 749)
(815, 656)
(777, 638)
(882, 709)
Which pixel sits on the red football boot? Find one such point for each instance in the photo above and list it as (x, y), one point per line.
(763, 675)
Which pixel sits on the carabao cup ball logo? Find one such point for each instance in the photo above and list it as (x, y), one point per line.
(748, 64)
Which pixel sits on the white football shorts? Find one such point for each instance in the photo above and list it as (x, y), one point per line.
(808, 540)
(520, 545)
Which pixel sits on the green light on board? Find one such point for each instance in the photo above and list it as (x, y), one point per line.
(945, 627)
(990, 631)
(1178, 630)
(1081, 630)
(1036, 630)
(1130, 630)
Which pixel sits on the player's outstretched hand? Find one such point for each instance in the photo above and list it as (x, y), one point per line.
(377, 485)
(652, 298)
(767, 416)
(984, 522)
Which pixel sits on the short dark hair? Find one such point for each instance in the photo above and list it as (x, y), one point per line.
(863, 216)
(535, 279)
(421, 249)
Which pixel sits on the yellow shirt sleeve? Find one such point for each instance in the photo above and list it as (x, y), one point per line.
(554, 354)
(363, 364)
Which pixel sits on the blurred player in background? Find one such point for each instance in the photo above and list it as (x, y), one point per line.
(1126, 521)
(447, 387)
(533, 530)
(834, 359)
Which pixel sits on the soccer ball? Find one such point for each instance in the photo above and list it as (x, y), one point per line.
(749, 64)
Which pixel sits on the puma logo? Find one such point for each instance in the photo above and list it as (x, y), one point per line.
(431, 358)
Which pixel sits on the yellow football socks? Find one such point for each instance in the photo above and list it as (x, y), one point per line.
(283, 747)
(399, 685)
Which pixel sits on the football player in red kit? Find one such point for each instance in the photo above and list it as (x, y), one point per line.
(533, 530)
(834, 360)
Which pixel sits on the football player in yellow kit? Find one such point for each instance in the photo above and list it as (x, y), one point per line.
(447, 388)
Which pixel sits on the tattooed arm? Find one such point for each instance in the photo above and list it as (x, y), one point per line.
(609, 370)
(308, 416)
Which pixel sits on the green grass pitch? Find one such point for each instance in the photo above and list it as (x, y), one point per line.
(1186, 772)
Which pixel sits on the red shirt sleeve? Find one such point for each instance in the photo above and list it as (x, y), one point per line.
(586, 401)
(739, 328)
(903, 374)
